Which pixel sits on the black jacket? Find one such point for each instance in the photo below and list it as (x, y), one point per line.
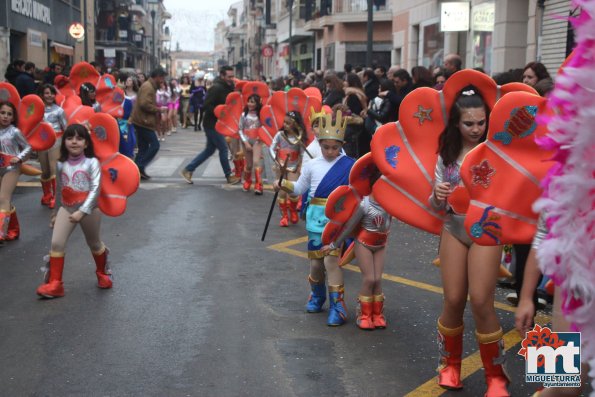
(215, 96)
(25, 84)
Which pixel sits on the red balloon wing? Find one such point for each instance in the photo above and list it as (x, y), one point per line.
(340, 207)
(105, 135)
(30, 112)
(228, 115)
(270, 124)
(313, 92)
(9, 93)
(120, 179)
(503, 174)
(455, 84)
(110, 96)
(513, 87)
(80, 115)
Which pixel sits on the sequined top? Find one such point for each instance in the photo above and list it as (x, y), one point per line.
(55, 116)
(249, 125)
(541, 231)
(97, 107)
(454, 224)
(370, 215)
(280, 148)
(13, 143)
(79, 178)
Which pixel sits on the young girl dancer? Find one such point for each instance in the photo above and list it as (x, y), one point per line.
(249, 125)
(466, 268)
(161, 101)
(370, 243)
(173, 105)
(55, 116)
(88, 93)
(14, 149)
(79, 177)
(288, 145)
(321, 176)
(127, 136)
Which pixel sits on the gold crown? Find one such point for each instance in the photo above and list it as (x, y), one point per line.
(328, 130)
(316, 116)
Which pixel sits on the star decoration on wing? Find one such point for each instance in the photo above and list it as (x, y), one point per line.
(482, 174)
(423, 114)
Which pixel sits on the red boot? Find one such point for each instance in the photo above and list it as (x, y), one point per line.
(294, 216)
(237, 169)
(104, 279)
(13, 226)
(52, 203)
(378, 318)
(491, 349)
(54, 288)
(450, 342)
(258, 181)
(46, 187)
(247, 181)
(4, 221)
(364, 318)
(283, 206)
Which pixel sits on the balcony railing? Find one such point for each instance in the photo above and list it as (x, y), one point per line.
(347, 6)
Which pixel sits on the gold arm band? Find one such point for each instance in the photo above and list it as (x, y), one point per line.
(55, 254)
(335, 288)
(379, 298)
(366, 299)
(288, 185)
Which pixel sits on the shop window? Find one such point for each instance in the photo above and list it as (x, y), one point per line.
(329, 52)
(431, 45)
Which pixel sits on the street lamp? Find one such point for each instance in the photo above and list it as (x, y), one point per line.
(290, 5)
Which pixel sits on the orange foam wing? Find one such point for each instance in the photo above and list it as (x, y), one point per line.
(405, 153)
(9, 93)
(30, 112)
(83, 72)
(120, 179)
(80, 115)
(259, 88)
(359, 176)
(110, 96)
(503, 174)
(105, 135)
(313, 92)
(228, 115)
(41, 137)
(340, 207)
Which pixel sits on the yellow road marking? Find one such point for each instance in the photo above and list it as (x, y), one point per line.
(29, 184)
(470, 364)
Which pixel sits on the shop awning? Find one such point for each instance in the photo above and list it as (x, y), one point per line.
(63, 49)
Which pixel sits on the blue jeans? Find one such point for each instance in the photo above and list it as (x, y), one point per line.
(148, 146)
(215, 141)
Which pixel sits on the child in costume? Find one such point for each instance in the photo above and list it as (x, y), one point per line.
(14, 149)
(370, 224)
(321, 176)
(79, 178)
(56, 117)
(286, 148)
(173, 105)
(162, 98)
(88, 94)
(467, 268)
(249, 125)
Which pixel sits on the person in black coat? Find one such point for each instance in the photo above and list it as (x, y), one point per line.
(371, 83)
(25, 83)
(13, 70)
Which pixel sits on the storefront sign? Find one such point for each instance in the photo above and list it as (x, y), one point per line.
(32, 9)
(482, 17)
(454, 17)
(35, 38)
(77, 31)
(109, 52)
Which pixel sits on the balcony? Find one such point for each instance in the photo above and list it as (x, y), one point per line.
(326, 13)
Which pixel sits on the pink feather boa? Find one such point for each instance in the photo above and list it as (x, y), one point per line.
(568, 252)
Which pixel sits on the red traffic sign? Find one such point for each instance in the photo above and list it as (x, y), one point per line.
(267, 51)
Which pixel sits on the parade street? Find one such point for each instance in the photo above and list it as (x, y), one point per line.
(201, 307)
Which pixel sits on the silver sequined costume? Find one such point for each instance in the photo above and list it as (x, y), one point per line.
(454, 224)
(280, 148)
(82, 180)
(13, 143)
(248, 128)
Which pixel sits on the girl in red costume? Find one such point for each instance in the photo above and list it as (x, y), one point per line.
(249, 125)
(288, 144)
(467, 269)
(55, 116)
(14, 149)
(79, 178)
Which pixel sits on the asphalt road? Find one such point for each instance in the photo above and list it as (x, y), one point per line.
(200, 307)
